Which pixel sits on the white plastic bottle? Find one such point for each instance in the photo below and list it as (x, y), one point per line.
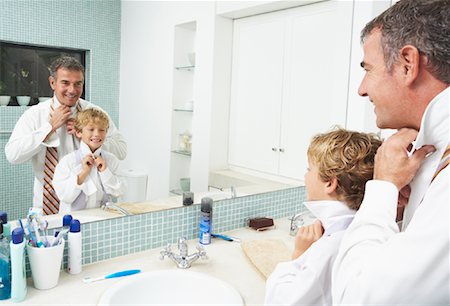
(18, 276)
(75, 248)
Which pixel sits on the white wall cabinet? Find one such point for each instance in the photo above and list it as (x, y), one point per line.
(289, 82)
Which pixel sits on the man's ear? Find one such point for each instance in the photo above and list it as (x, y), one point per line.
(52, 82)
(410, 63)
(331, 186)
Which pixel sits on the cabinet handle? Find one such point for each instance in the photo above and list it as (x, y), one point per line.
(282, 150)
(274, 149)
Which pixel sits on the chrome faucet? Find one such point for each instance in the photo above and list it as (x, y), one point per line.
(183, 260)
(233, 191)
(297, 221)
(111, 205)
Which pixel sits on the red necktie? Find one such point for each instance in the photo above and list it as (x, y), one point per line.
(50, 199)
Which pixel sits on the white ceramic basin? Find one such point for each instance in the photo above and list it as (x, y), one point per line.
(171, 287)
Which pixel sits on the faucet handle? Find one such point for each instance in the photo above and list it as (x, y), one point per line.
(201, 252)
(165, 252)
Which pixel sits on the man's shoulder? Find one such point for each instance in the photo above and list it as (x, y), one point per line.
(40, 108)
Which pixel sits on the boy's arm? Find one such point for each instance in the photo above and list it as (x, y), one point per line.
(111, 183)
(65, 180)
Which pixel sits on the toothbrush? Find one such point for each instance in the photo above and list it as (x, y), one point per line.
(59, 236)
(226, 238)
(113, 275)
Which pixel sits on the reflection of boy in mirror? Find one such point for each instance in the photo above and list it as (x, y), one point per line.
(86, 178)
(339, 165)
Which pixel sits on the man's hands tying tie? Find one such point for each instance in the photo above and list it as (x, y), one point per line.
(59, 117)
(393, 164)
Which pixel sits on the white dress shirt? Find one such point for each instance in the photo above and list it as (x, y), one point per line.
(379, 265)
(27, 141)
(96, 188)
(307, 279)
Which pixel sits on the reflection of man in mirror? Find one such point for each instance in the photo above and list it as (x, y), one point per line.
(45, 132)
(86, 178)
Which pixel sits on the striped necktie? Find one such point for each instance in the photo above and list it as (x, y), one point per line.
(50, 199)
(445, 160)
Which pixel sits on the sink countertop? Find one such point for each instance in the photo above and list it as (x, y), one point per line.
(226, 261)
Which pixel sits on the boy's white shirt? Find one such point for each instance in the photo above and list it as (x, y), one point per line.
(94, 186)
(307, 279)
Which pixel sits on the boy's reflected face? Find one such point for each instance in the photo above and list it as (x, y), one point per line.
(93, 134)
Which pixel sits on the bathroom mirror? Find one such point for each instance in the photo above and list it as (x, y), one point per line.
(222, 184)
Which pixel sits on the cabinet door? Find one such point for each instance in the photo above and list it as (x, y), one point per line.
(316, 79)
(258, 54)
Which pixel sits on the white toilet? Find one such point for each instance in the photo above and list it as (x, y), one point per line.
(135, 186)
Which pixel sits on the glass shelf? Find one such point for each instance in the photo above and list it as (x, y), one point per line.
(183, 110)
(186, 153)
(176, 191)
(185, 68)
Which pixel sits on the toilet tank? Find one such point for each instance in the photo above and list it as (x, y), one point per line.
(135, 186)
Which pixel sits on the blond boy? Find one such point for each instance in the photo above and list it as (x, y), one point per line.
(339, 165)
(86, 178)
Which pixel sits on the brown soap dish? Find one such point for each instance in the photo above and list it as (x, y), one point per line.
(260, 224)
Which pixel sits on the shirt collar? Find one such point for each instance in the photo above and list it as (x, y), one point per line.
(431, 131)
(85, 150)
(56, 104)
(334, 215)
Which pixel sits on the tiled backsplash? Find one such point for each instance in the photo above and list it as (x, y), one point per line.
(121, 236)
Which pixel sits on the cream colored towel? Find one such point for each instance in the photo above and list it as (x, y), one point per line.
(266, 254)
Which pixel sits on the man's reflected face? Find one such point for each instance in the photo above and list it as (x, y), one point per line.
(67, 85)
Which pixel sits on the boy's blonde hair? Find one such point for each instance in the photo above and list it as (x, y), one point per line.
(347, 156)
(91, 115)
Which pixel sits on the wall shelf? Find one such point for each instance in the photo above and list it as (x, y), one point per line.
(186, 153)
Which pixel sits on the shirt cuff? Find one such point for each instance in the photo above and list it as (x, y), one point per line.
(106, 175)
(380, 198)
(53, 140)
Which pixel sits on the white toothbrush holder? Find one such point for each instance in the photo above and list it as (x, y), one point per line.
(46, 264)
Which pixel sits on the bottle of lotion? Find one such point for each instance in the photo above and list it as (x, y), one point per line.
(18, 275)
(75, 248)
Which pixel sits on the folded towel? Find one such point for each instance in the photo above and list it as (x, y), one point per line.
(266, 254)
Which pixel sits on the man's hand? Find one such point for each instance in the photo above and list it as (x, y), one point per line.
(392, 162)
(70, 126)
(100, 163)
(59, 117)
(403, 198)
(306, 236)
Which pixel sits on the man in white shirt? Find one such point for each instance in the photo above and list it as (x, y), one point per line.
(50, 124)
(407, 63)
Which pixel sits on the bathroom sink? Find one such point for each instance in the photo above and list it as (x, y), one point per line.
(171, 287)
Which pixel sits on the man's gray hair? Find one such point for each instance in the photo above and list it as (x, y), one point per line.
(65, 62)
(424, 24)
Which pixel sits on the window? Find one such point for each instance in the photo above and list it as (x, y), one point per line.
(24, 70)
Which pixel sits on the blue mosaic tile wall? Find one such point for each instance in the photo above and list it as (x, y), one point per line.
(107, 239)
(92, 25)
